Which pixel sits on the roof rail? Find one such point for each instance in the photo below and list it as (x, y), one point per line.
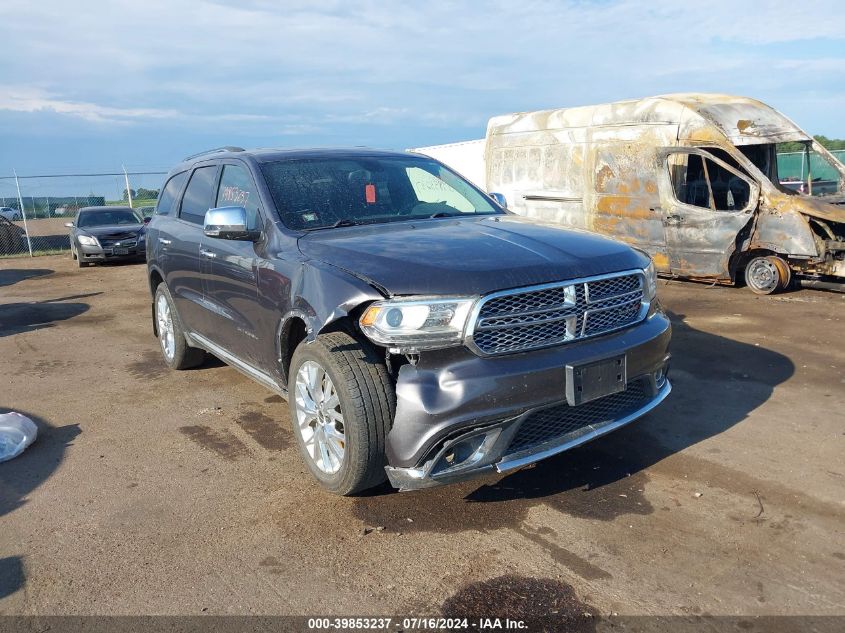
(226, 148)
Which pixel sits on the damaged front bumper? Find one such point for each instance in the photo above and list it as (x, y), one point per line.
(459, 415)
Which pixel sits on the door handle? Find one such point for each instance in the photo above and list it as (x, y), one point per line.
(165, 242)
(209, 254)
(673, 220)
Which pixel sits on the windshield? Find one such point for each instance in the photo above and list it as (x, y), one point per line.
(106, 218)
(805, 170)
(316, 193)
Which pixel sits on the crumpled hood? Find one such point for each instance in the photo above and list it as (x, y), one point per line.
(111, 229)
(824, 207)
(467, 256)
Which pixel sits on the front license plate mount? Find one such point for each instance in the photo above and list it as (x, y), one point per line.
(121, 251)
(596, 379)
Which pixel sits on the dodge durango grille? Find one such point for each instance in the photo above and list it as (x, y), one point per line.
(544, 316)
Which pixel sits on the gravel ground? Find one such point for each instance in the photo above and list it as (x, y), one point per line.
(158, 492)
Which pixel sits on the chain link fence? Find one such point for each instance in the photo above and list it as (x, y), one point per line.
(35, 209)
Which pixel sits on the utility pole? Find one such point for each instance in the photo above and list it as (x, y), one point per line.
(128, 190)
(23, 212)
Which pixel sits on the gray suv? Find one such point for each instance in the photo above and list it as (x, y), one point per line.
(420, 332)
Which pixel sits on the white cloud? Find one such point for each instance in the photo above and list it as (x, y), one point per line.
(439, 64)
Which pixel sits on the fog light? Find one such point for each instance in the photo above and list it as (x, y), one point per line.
(465, 453)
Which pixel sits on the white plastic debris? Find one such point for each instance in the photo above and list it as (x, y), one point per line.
(16, 433)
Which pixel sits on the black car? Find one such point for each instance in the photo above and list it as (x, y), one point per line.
(101, 234)
(420, 331)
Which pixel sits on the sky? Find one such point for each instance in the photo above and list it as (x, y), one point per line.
(93, 86)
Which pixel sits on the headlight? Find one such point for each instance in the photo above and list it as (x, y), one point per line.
(88, 240)
(418, 324)
(649, 282)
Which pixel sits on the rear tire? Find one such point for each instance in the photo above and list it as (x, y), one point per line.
(171, 336)
(342, 403)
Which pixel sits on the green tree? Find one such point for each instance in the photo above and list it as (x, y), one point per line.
(829, 143)
(146, 194)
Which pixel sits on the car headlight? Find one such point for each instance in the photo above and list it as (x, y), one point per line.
(417, 324)
(88, 240)
(649, 282)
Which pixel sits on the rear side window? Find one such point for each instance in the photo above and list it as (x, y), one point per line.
(198, 195)
(237, 190)
(170, 193)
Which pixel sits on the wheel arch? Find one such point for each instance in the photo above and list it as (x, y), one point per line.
(155, 278)
(304, 325)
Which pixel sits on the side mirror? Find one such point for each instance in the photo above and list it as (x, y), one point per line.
(69, 225)
(500, 199)
(147, 219)
(228, 223)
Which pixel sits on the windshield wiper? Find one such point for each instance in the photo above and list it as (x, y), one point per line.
(442, 214)
(344, 222)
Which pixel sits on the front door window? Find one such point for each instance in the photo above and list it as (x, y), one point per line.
(701, 182)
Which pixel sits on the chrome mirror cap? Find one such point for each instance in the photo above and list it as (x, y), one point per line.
(228, 223)
(500, 199)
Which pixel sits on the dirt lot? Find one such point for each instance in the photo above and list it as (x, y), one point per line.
(150, 491)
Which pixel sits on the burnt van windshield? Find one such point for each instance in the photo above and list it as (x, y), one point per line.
(316, 193)
(804, 170)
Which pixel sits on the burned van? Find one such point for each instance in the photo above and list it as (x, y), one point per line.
(690, 178)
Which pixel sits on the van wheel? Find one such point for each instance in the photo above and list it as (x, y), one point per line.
(171, 337)
(763, 276)
(342, 405)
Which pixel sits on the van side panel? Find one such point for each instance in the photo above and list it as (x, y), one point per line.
(600, 178)
(541, 174)
(621, 185)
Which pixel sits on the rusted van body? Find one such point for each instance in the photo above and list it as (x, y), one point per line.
(689, 178)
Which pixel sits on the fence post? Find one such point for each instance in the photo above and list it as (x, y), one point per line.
(23, 212)
(128, 190)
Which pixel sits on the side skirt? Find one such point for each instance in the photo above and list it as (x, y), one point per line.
(198, 340)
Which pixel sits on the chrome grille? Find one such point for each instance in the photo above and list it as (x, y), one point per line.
(118, 243)
(531, 318)
(555, 423)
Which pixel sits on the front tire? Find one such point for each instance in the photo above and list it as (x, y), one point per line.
(342, 405)
(171, 336)
(763, 276)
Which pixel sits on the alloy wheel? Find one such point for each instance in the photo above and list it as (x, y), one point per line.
(165, 328)
(319, 417)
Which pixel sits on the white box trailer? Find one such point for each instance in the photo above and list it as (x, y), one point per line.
(689, 178)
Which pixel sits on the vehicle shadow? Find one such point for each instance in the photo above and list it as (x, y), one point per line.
(717, 383)
(26, 472)
(11, 276)
(27, 317)
(11, 575)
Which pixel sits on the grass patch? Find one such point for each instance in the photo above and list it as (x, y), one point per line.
(38, 253)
